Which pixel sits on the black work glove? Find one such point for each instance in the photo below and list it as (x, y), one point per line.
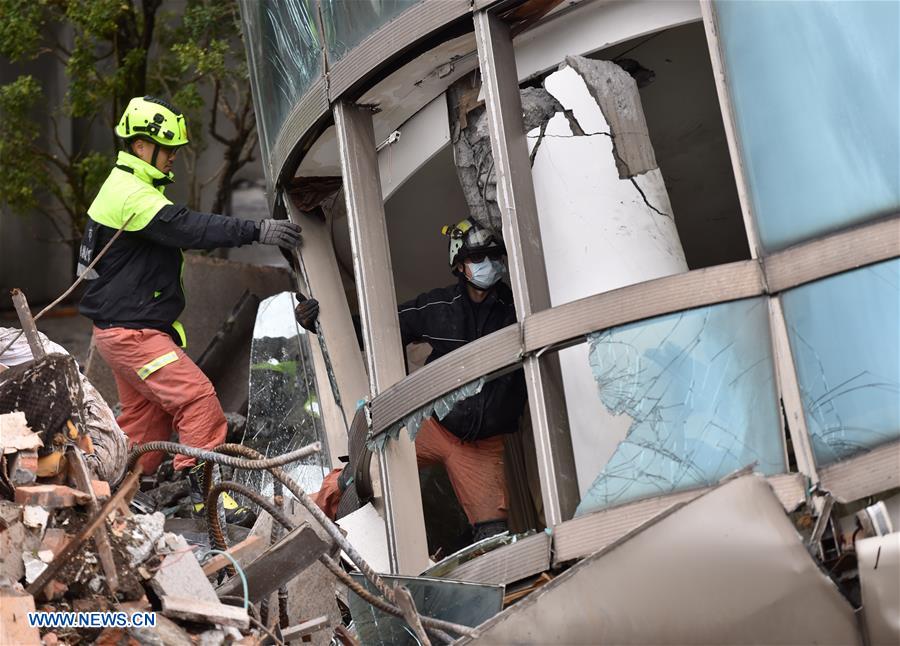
(307, 312)
(283, 233)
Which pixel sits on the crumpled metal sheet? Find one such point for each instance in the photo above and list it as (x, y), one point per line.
(879, 575)
(726, 568)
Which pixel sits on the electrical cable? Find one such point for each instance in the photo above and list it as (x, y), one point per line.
(240, 572)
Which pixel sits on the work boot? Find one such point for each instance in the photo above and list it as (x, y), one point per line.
(480, 531)
(235, 513)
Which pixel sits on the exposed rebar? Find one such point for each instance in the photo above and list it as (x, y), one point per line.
(219, 458)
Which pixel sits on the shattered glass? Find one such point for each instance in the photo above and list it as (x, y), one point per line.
(845, 339)
(284, 413)
(469, 604)
(284, 50)
(347, 24)
(440, 407)
(816, 94)
(699, 390)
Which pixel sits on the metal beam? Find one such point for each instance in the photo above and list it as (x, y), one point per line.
(861, 245)
(528, 276)
(402, 497)
(337, 326)
(789, 389)
(731, 132)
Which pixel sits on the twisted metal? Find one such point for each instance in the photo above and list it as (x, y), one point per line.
(435, 626)
(253, 462)
(212, 456)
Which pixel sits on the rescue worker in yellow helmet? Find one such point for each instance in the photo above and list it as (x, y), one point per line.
(468, 439)
(135, 294)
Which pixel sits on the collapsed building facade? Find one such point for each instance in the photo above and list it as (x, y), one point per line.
(699, 202)
(699, 207)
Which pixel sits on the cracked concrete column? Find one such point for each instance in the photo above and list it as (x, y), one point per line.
(606, 221)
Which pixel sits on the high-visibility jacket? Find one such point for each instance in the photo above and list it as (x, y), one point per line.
(137, 283)
(447, 319)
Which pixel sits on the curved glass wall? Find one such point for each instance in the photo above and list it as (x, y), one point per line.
(816, 94)
(347, 24)
(697, 390)
(284, 47)
(845, 339)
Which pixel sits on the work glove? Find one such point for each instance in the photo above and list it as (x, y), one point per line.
(307, 312)
(283, 233)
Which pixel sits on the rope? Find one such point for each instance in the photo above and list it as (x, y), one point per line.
(76, 283)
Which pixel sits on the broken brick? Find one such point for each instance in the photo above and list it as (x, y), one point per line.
(55, 590)
(55, 540)
(14, 609)
(51, 496)
(91, 604)
(101, 489)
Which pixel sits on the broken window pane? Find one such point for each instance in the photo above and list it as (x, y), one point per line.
(698, 391)
(347, 24)
(815, 93)
(284, 412)
(846, 346)
(469, 604)
(283, 49)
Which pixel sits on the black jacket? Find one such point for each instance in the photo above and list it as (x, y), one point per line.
(447, 319)
(137, 284)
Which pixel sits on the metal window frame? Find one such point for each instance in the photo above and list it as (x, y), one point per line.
(403, 517)
(567, 324)
(528, 275)
(539, 331)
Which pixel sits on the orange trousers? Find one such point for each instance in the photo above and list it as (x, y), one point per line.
(475, 470)
(160, 388)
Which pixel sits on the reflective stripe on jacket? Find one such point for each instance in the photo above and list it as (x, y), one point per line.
(137, 284)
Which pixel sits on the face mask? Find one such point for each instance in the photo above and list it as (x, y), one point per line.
(486, 273)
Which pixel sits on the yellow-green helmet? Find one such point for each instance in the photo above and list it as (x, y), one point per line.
(153, 119)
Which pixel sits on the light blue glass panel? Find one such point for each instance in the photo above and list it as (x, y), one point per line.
(284, 52)
(347, 24)
(816, 94)
(845, 338)
(699, 390)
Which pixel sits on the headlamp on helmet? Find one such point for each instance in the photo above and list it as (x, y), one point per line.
(468, 239)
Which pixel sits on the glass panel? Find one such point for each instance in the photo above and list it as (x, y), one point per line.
(347, 24)
(283, 413)
(469, 604)
(284, 50)
(816, 99)
(698, 389)
(845, 339)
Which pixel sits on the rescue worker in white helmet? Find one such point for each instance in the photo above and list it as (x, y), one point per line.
(135, 294)
(468, 441)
